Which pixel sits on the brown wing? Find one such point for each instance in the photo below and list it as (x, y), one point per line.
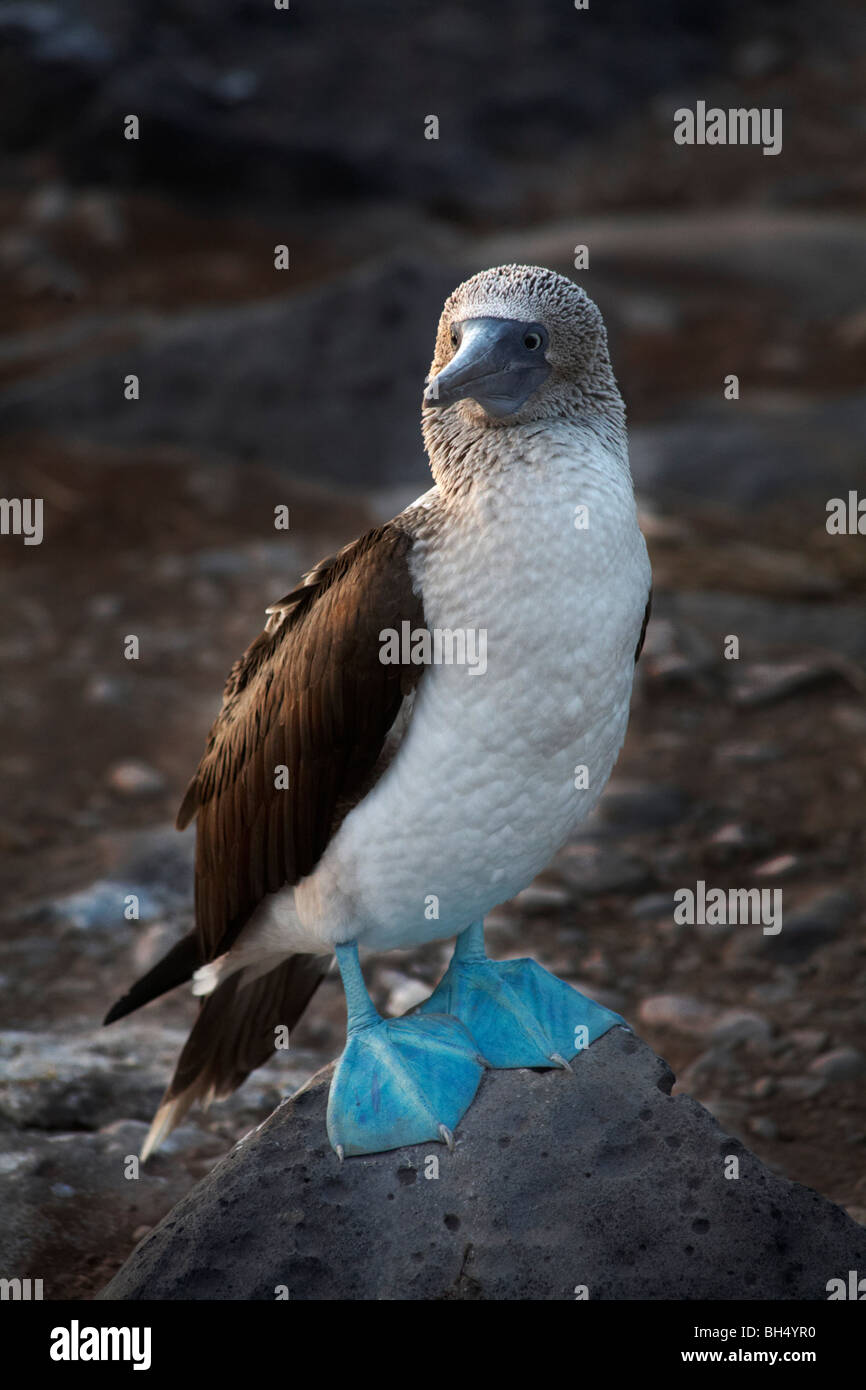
(310, 696)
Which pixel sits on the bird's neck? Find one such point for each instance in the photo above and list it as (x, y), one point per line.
(465, 453)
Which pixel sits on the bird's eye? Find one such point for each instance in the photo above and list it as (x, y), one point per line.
(533, 341)
(455, 337)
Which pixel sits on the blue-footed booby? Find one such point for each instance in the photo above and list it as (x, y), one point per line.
(355, 793)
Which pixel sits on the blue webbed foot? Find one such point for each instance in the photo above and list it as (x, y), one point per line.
(518, 1013)
(399, 1080)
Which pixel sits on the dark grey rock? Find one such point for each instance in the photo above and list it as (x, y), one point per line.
(813, 926)
(67, 1082)
(600, 1179)
(741, 1025)
(842, 1064)
(653, 905)
(70, 1205)
(764, 1127)
(301, 407)
(592, 869)
(282, 106)
(160, 857)
(749, 752)
(156, 866)
(100, 907)
(631, 808)
(808, 1039)
(766, 682)
(82, 1080)
(801, 1087)
(800, 938)
(764, 622)
(751, 457)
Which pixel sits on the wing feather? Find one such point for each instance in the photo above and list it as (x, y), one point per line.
(311, 695)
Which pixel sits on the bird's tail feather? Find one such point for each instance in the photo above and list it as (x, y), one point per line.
(233, 1034)
(174, 968)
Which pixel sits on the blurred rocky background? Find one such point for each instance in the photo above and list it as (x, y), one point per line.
(259, 387)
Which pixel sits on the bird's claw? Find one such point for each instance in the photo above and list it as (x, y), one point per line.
(447, 1137)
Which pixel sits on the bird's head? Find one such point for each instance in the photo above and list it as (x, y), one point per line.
(519, 343)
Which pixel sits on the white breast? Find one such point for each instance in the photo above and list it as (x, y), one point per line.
(482, 792)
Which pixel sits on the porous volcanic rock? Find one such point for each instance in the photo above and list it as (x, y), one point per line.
(599, 1180)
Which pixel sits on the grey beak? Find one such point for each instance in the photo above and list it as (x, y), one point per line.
(493, 365)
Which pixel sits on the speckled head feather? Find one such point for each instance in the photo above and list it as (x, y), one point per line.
(577, 351)
(581, 388)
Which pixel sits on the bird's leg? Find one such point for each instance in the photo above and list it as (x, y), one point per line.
(469, 947)
(399, 1080)
(518, 1013)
